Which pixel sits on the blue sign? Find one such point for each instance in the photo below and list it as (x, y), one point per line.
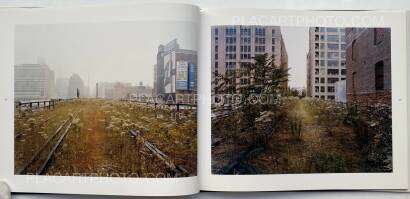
(181, 84)
(191, 76)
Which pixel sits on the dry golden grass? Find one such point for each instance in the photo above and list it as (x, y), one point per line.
(99, 143)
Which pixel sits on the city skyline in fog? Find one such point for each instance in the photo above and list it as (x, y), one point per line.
(101, 52)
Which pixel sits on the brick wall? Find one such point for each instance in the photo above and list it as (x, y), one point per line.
(363, 50)
(371, 99)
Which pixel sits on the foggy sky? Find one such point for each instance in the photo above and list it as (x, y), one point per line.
(126, 51)
(117, 51)
(297, 45)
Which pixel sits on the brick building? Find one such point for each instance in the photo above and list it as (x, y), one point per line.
(368, 60)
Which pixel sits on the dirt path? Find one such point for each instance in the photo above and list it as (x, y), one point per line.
(85, 150)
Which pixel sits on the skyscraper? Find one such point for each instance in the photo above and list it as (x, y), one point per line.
(75, 86)
(233, 45)
(34, 81)
(326, 61)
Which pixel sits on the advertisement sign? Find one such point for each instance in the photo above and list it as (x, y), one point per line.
(182, 75)
(191, 76)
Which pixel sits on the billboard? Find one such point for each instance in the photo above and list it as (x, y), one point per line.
(182, 75)
(191, 76)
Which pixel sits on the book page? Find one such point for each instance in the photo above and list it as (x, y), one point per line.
(99, 100)
(303, 100)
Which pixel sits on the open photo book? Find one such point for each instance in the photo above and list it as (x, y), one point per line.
(169, 99)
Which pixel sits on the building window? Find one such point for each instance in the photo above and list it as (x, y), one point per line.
(216, 55)
(331, 89)
(216, 48)
(322, 46)
(322, 37)
(273, 41)
(322, 80)
(333, 46)
(331, 30)
(216, 31)
(331, 97)
(260, 32)
(353, 51)
(230, 65)
(321, 55)
(273, 32)
(333, 71)
(259, 40)
(273, 49)
(245, 48)
(259, 48)
(332, 63)
(333, 38)
(245, 40)
(354, 83)
(245, 56)
(230, 48)
(322, 89)
(332, 80)
(379, 75)
(216, 65)
(333, 55)
(230, 31)
(230, 56)
(322, 62)
(230, 40)
(378, 35)
(343, 72)
(245, 32)
(316, 89)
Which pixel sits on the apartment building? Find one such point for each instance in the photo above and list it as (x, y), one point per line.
(326, 61)
(233, 45)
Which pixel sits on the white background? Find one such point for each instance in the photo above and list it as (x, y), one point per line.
(275, 4)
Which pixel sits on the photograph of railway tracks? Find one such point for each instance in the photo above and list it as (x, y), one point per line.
(113, 99)
(295, 100)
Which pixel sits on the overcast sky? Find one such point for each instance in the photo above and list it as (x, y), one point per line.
(297, 45)
(120, 51)
(126, 51)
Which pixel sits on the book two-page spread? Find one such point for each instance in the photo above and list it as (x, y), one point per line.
(132, 100)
